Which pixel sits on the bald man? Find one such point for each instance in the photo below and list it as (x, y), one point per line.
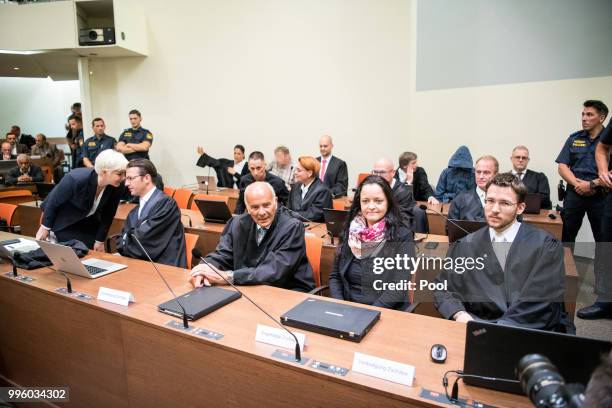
(264, 246)
(333, 171)
(415, 217)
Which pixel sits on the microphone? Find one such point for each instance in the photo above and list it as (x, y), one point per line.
(304, 219)
(208, 180)
(185, 322)
(188, 217)
(424, 207)
(4, 254)
(197, 254)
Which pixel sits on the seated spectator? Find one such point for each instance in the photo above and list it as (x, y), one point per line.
(282, 166)
(16, 148)
(374, 228)
(24, 172)
(6, 152)
(411, 174)
(257, 172)
(23, 139)
(264, 246)
(457, 177)
(44, 149)
(309, 195)
(469, 205)
(521, 281)
(228, 171)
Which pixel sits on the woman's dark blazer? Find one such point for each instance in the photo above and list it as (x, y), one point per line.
(311, 207)
(71, 200)
(339, 286)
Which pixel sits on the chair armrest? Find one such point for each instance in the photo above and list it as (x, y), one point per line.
(412, 307)
(318, 291)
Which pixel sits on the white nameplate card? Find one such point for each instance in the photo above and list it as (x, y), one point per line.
(384, 369)
(278, 337)
(118, 297)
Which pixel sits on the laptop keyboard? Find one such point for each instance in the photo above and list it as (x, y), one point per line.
(93, 270)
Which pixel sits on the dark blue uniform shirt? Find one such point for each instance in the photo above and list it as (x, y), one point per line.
(579, 154)
(93, 146)
(606, 138)
(136, 136)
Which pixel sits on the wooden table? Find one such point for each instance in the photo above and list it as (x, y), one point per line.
(115, 356)
(231, 193)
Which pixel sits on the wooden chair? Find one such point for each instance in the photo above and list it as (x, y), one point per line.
(16, 196)
(169, 191)
(190, 242)
(212, 197)
(182, 196)
(314, 246)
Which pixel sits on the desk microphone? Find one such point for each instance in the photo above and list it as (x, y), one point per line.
(197, 254)
(4, 254)
(185, 322)
(207, 180)
(188, 217)
(304, 219)
(424, 207)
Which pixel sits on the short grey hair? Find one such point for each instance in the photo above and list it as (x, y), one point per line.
(23, 158)
(110, 160)
(258, 184)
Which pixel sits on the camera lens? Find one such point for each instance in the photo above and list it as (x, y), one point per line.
(93, 35)
(539, 378)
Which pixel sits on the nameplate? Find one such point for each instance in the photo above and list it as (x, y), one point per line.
(384, 369)
(278, 337)
(118, 297)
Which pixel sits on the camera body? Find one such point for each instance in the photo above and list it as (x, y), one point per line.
(97, 36)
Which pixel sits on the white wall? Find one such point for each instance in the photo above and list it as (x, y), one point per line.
(37, 105)
(264, 73)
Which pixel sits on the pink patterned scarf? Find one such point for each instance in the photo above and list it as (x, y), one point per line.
(360, 234)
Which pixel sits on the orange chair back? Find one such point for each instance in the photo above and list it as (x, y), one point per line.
(190, 243)
(362, 177)
(169, 191)
(7, 211)
(314, 246)
(339, 203)
(48, 172)
(15, 196)
(212, 197)
(182, 196)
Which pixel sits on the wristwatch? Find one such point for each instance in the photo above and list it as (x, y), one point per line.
(230, 276)
(592, 185)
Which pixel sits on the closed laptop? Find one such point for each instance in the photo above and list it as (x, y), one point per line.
(199, 302)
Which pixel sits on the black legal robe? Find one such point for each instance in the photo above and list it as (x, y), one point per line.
(279, 260)
(159, 229)
(277, 183)
(316, 199)
(466, 206)
(538, 183)
(528, 293)
(224, 178)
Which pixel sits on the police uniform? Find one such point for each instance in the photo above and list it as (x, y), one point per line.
(94, 145)
(603, 271)
(136, 136)
(578, 154)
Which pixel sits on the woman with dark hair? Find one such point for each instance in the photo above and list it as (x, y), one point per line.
(373, 231)
(309, 196)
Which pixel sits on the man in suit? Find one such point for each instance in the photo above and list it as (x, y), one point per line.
(257, 172)
(229, 172)
(25, 172)
(333, 171)
(23, 139)
(6, 151)
(16, 148)
(517, 276)
(534, 181)
(264, 246)
(156, 221)
(411, 174)
(469, 205)
(416, 217)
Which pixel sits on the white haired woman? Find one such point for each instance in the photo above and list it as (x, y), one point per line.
(82, 206)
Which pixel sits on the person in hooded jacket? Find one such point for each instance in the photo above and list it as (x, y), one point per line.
(457, 177)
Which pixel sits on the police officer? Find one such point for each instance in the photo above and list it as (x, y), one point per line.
(75, 140)
(136, 141)
(97, 143)
(578, 168)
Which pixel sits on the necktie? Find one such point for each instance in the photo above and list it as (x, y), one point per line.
(323, 168)
(520, 175)
(261, 233)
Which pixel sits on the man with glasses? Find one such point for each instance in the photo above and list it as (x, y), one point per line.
(156, 221)
(534, 181)
(416, 219)
(469, 205)
(517, 277)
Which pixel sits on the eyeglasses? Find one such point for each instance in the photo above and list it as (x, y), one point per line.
(521, 157)
(379, 172)
(489, 202)
(130, 178)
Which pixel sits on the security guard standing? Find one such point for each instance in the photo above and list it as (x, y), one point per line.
(602, 308)
(75, 140)
(97, 143)
(577, 166)
(136, 141)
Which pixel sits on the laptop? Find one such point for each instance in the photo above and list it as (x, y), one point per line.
(211, 181)
(66, 260)
(456, 228)
(43, 189)
(533, 201)
(334, 220)
(214, 211)
(493, 350)
(331, 319)
(199, 302)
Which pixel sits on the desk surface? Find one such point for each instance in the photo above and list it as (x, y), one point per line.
(125, 345)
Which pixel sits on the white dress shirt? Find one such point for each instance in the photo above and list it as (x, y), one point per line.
(143, 200)
(305, 188)
(507, 235)
(482, 195)
(514, 172)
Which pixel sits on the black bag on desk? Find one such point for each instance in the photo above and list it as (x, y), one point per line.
(37, 258)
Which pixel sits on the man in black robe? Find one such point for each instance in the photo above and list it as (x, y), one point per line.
(156, 221)
(517, 276)
(264, 246)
